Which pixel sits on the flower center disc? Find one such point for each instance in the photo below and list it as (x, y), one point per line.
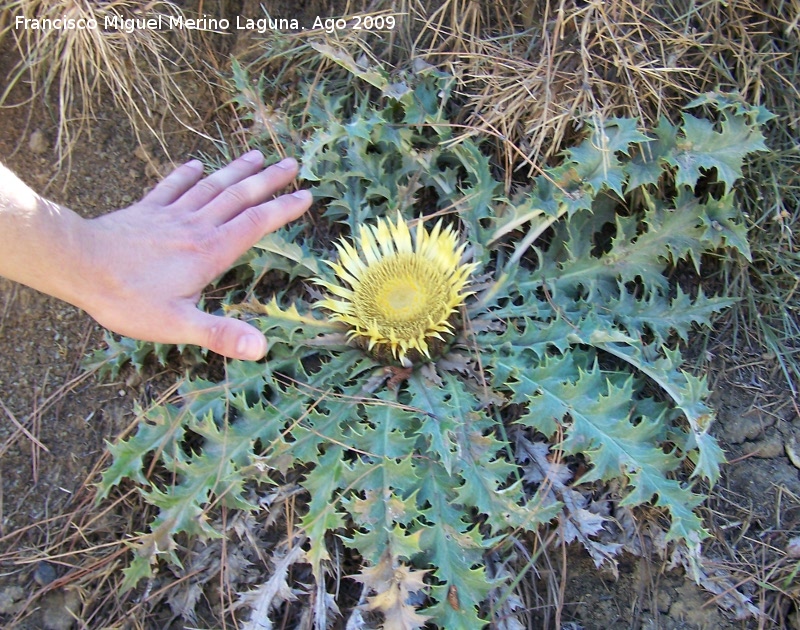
(401, 299)
(401, 294)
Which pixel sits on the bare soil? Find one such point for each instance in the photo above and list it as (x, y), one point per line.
(55, 420)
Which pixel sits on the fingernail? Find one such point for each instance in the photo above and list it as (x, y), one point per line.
(287, 163)
(304, 194)
(254, 157)
(196, 165)
(251, 347)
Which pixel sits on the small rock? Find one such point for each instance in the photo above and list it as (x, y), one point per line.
(768, 448)
(59, 609)
(689, 607)
(142, 154)
(37, 142)
(44, 573)
(793, 547)
(9, 597)
(134, 379)
(791, 447)
(740, 427)
(663, 601)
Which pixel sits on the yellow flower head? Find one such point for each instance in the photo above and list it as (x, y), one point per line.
(402, 288)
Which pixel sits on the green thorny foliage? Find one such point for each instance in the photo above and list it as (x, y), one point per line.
(565, 355)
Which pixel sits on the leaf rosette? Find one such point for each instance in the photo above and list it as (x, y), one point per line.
(433, 414)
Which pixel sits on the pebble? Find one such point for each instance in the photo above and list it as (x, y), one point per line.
(59, 609)
(768, 448)
(9, 597)
(793, 547)
(44, 573)
(37, 142)
(134, 379)
(740, 427)
(141, 153)
(688, 607)
(663, 601)
(791, 448)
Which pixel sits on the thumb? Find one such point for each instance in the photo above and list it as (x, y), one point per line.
(226, 336)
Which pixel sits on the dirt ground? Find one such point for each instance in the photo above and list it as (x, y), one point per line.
(55, 419)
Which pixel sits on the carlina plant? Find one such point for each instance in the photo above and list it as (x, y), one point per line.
(468, 367)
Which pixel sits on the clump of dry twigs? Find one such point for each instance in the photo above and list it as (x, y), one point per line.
(528, 70)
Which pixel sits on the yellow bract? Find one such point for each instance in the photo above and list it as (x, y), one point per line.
(403, 288)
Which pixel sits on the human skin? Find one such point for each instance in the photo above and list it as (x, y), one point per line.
(140, 271)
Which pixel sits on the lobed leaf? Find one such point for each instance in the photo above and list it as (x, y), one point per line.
(703, 148)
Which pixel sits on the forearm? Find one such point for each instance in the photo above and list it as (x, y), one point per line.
(40, 241)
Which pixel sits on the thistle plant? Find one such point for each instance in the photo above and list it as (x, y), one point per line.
(467, 367)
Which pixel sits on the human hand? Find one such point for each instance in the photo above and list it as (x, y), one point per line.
(144, 267)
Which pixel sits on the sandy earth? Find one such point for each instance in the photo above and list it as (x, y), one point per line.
(68, 415)
(42, 340)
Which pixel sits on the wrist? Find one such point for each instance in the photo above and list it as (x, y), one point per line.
(71, 270)
(91, 283)
(41, 242)
(57, 259)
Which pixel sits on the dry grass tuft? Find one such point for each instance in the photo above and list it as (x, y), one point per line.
(530, 72)
(144, 71)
